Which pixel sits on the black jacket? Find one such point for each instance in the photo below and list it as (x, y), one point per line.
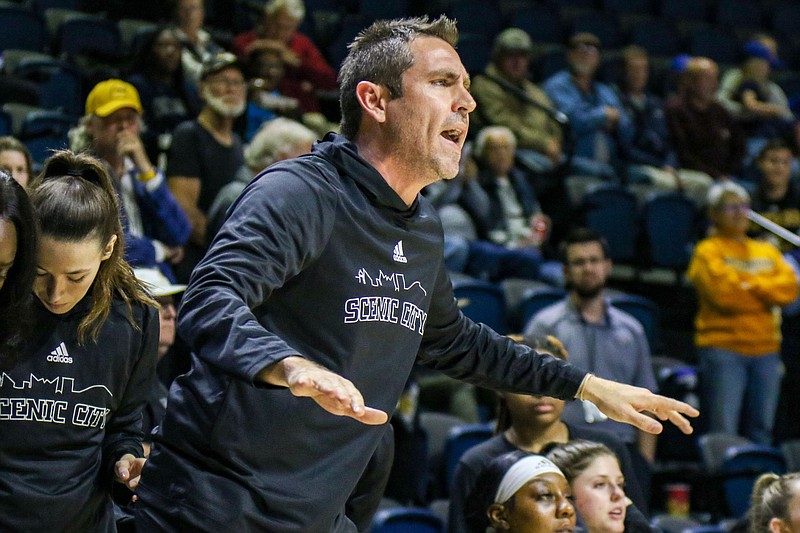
(68, 413)
(318, 257)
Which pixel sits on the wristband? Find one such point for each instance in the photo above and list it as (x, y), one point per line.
(582, 387)
(147, 176)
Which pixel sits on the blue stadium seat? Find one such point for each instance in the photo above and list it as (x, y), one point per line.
(541, 22)
(696, 10)
(60, 84)
(715, 43)
(483, 302)
(6, 127)
(89, 35)
(741, 467)
(45, 131)
(475, 51)
(373, 10)
(786, 18)
(22, 29)
(611, 210)
(643, 7)
(477, 17)
(605, 26)
(739, 14)
(534, 300)
(670, 226)
(406, 520)
(459, 440)
(659, 37)
(645, 311)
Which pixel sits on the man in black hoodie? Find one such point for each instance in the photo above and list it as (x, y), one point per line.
(317, 295)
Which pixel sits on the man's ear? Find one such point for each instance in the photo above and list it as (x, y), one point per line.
(498, 516)
(373, 99)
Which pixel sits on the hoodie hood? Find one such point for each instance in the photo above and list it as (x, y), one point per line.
(343, 154)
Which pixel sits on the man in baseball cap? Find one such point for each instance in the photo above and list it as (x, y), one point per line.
(156, 228)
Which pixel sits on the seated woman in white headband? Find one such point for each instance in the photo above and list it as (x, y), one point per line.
(519, 492)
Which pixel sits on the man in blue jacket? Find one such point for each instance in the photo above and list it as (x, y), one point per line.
(156, 228)
(320, 291)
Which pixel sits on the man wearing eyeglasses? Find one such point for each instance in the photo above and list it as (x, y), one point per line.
(206, 153)
(599, 122)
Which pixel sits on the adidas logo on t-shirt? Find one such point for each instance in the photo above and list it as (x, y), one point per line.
(60, 355)
(397, 254)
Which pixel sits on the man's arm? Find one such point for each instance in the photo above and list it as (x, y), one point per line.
(186, 191)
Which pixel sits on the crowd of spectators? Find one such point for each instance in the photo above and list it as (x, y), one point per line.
(195, 111)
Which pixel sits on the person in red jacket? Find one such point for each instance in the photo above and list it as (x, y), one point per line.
(307, 72)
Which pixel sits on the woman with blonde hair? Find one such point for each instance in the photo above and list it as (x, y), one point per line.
(775, 504)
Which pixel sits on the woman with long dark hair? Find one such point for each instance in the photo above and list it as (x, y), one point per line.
(17, 265)
(70, 411)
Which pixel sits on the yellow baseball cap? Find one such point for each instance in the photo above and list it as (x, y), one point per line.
(112, 95)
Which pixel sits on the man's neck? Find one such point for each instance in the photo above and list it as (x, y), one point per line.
(591, 309)
(775, 191)
(391, 165)
(221, 127)
(583, 82)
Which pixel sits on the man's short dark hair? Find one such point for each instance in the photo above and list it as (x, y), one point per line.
(582, 236)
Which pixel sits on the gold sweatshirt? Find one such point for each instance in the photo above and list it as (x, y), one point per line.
(741, 286)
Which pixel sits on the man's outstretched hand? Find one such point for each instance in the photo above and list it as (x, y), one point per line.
(625, 403)
(331, 391)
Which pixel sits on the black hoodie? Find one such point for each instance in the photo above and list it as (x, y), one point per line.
(319, 257)
(68, 413)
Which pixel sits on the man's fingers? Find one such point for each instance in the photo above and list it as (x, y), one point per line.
(372, 417)
(645, 423)
(684, 425)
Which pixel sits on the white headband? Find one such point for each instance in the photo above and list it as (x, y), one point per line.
(520, 473)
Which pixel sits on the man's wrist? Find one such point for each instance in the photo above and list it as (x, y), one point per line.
(580, 395)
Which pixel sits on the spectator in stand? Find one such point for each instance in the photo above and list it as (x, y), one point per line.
(518, 492)
(777, 198)
(650, 159)
(16, 160)
(169, 96)
(759, 103)
(307, 72)
(276, 140)
(198, 46)
(206, 153)
(529, 424)
(264, 99)
(156, 228)
(506, 97)
(601, 126)
(599, 489)
(502, 207)
(765, 111)
(777, 195)
(705, 135)
(163, 291)
(17, 267)
(598, 336)
(740, 283)
(775, 504)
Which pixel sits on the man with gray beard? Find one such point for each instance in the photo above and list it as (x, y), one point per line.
(206, 153)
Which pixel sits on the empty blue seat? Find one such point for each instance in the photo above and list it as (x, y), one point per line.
(658, 37)
(715, 43)
(477, 17)
(611, 210)
(643, 7)
(45, 131)
(482, 302)
(541, 22)
(786, 18)
(459, 440)
(741, 467)
(696, 10)
(60, 84)
(6, 126)
(534, 300)
(89, 35)
(474, 51)
(23, 29)
(670, 225)
(645, 311)
(605, 26)
(739, 14)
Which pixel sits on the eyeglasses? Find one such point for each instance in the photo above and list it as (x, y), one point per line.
(581, 261)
